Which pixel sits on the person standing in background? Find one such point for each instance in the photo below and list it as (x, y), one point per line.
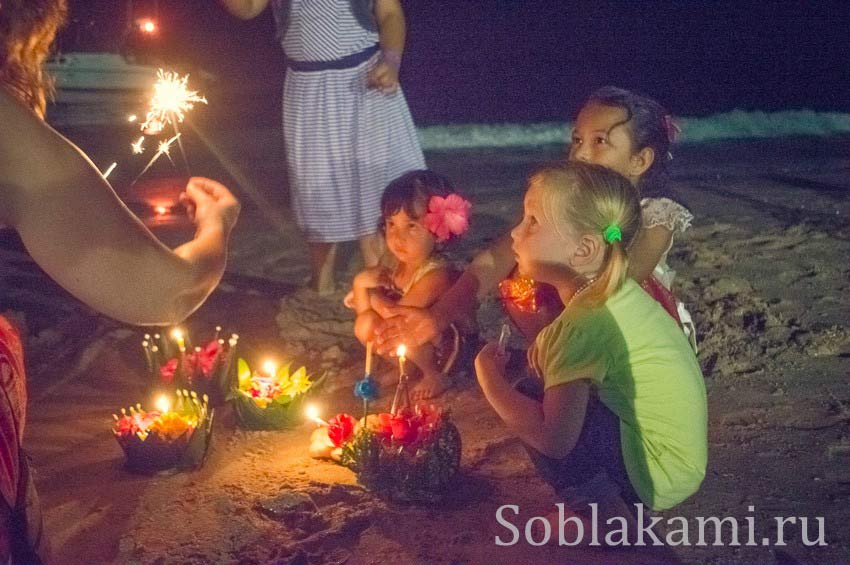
(347, 129)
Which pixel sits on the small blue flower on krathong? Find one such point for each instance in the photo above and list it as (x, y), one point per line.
(366, 388)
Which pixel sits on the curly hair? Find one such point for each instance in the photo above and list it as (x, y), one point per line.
(27, 30)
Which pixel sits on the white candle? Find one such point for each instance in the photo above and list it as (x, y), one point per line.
(368, 357)
(401, 351)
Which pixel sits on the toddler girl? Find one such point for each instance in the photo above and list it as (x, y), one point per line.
(421, 212)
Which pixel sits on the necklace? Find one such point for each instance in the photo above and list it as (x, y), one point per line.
(581, 289)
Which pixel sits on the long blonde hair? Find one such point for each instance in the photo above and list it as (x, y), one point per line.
(27, 30)
(587, 199)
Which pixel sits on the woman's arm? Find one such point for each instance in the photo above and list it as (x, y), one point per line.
(646, 251)
(551, 427)
(83, 236)
(244, 9)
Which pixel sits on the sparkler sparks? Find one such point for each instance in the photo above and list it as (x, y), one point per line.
(109, 170)
(163, 149)
(137, 146)
(171, 100)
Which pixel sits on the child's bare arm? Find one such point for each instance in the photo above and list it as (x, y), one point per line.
(551, 427)
(363, 284)
(479, 278)
(428, 289)
(646, 251)
(391, 32)
(244, 9)
(417, 326)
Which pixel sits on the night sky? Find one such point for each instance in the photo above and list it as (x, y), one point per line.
(536, 60)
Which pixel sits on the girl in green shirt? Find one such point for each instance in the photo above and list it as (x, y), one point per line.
(622, 415)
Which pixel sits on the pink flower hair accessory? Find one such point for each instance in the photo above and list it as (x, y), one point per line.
(448, 216)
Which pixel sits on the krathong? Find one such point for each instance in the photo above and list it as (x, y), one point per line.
(166, 438)
(206, 369)
(412, 455)
(271, 399)
(408, 454)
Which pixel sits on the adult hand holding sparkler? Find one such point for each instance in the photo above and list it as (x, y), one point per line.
(209, 204)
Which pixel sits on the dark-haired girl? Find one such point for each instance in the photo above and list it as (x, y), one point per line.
(420, 213)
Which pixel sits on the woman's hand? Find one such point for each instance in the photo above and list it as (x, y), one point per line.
(490, 364)
(408, 325)
(210, 204)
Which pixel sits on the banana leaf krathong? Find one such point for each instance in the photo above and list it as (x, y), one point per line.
(272, 401)
(172, 439)
(411, 456)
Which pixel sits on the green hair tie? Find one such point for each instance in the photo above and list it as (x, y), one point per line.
(612, 233)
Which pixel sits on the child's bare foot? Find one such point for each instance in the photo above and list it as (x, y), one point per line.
(430, 386)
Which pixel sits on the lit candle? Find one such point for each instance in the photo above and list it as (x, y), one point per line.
(163, 404)
(270, 368)
(178, 336)
(401, 351)
(312, 413)
(368, 357)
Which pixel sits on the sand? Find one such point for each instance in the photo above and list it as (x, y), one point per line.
(763, 270)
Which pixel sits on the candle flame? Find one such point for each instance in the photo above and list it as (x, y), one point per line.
(401, 351)
(177, 334)
(312, 413)
(270, 368)
(132, 118)
(160, 210)
(163, 404)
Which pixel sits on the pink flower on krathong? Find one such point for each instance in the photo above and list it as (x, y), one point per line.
(206, 358)
(447, 217)
(126, 426)
(166, 372)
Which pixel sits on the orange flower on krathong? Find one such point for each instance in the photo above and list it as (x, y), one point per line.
(170, 426)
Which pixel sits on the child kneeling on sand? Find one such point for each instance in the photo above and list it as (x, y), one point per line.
(618, 416)
(420, 213)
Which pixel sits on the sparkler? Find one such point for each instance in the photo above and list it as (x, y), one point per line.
(171, 100)
(168, 106)
(164, 149)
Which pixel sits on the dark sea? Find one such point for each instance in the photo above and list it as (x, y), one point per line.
(526, 61)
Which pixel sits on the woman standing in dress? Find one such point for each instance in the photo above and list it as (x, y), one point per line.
(347, 128)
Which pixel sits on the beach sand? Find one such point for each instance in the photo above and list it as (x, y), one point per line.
(763, 270)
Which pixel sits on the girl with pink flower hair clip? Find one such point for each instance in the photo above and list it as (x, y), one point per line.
(420, 213)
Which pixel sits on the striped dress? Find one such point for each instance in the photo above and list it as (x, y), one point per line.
(344, 142)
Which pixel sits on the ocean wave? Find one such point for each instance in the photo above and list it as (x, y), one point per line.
(737, 124)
